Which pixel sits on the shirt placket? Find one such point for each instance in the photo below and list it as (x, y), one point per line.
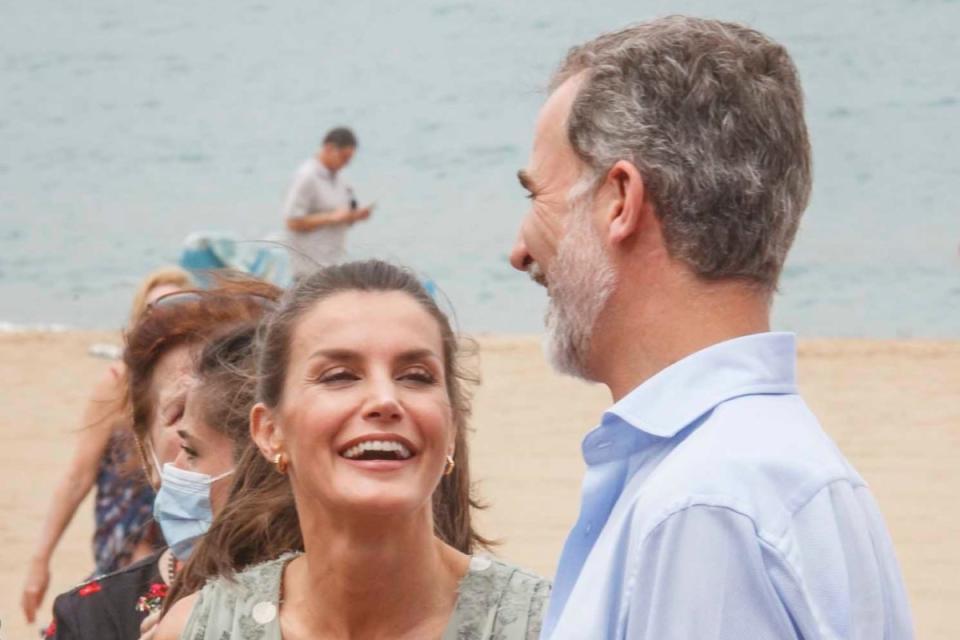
(607, 467)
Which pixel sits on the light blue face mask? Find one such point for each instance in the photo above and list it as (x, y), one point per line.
(182, 507)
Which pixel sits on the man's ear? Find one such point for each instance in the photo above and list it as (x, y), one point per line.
(265, 432)
(627, 204)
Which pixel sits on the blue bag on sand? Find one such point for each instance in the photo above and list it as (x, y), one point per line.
(205, 251)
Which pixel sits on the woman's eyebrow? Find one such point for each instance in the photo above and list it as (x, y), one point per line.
(335, 354)
(348, 355)
(184, 434)
(416, 355)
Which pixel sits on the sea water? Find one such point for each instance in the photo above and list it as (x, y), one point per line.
(126, 126)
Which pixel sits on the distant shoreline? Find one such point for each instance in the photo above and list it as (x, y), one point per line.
(807, 342)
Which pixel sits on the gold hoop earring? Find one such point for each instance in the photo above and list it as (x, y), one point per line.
(451, 463)
(280, 462)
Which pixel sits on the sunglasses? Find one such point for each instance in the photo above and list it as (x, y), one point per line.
(182, 297)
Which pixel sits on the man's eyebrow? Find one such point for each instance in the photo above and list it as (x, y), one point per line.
(526, 181)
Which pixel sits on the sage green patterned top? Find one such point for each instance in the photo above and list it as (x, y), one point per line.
(496, 601)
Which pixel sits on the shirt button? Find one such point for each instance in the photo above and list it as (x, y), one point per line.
(264, 612)
(480, 563)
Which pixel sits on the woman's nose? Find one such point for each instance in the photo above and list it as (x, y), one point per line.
(383, 405)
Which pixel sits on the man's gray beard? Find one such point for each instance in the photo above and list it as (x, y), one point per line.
(581, 280)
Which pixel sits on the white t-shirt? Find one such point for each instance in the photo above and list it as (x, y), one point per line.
(316, 190)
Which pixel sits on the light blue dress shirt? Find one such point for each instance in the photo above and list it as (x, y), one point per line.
(715, 507)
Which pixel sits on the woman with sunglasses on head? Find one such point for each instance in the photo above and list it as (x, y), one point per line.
(362, 413)
(123, 531)
(161, 357)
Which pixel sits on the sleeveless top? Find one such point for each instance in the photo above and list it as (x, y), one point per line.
(496, 601)
(123, 509)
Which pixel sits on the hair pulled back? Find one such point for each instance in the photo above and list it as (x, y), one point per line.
(452, 501)
(260, 521)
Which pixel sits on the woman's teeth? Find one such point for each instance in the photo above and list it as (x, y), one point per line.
(398, 450)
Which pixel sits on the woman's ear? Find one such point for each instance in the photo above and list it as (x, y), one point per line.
(265, 431)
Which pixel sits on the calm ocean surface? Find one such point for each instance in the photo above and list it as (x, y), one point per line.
(125, 126)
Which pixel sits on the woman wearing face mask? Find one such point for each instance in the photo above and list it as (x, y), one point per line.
(123, 530)
(160, 356)
(362, 412)
(214, 433)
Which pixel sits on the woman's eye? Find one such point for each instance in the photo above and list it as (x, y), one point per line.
(191, 454)
(420, 376)
(340, 375)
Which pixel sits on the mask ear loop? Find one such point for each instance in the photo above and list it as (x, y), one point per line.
(156, 462)
(172, 473)
(222, 475)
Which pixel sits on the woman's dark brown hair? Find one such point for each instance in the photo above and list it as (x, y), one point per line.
(260, 521)
(185, 318)
(225, 385)
(225, 393)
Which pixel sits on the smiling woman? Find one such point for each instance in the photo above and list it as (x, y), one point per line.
(359, 482)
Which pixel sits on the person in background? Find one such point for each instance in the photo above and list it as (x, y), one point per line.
(123, 531)
(362, 413)
(320, 205)
(669, 171)
(161, 359)
(214, 433)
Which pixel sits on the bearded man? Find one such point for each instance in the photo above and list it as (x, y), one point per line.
(669, 170)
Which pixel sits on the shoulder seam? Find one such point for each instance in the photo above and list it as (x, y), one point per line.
(631, 577)
(802, 498)
(516, 570)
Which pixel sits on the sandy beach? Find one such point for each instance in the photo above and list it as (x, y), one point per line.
(892, 406)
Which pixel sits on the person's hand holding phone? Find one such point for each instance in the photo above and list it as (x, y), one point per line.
(362, 213)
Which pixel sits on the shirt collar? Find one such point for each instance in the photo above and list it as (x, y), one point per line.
(322, 170)
(762, 363)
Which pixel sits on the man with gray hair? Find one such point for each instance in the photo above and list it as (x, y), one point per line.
(669, 170)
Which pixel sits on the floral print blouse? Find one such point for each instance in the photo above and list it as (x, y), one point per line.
(496, 601)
